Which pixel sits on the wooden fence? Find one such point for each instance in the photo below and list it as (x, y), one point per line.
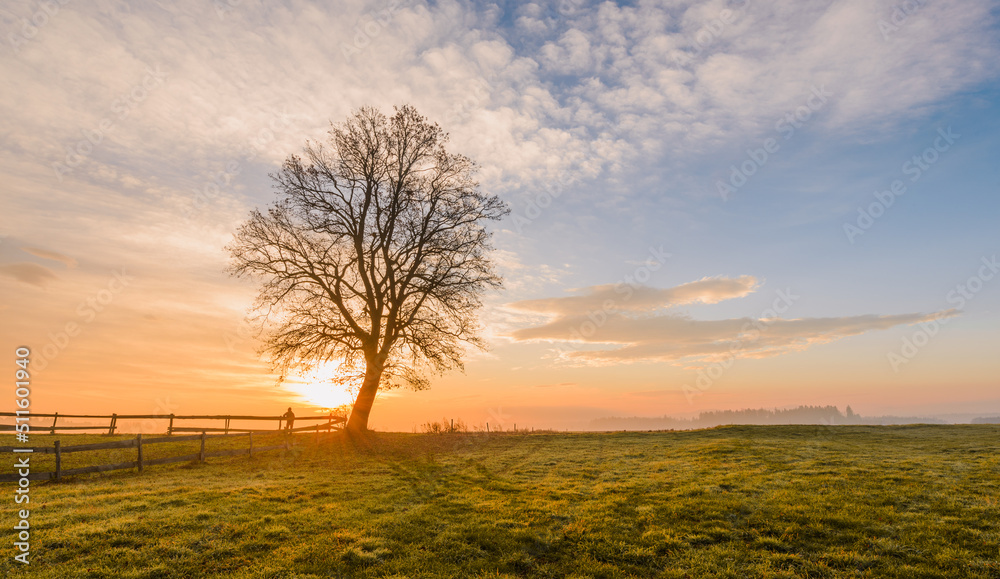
(332, 422)
(139, 463)
(227, 430)
(138, 443)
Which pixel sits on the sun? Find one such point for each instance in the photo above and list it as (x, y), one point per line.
(318, 387)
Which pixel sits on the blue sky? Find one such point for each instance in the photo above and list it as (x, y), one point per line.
(622, 119)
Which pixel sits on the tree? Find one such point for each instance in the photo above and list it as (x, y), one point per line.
(375, 254)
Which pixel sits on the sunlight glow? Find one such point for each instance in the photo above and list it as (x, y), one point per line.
(319, 388)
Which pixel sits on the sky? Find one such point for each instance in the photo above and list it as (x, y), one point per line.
(714, 205)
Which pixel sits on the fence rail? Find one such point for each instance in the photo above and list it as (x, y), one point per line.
(138, 443)
(332, 422)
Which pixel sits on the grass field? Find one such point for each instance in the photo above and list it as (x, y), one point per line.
(770, 501)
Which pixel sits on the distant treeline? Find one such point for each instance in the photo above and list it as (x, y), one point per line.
(829, 415)
(986, 420)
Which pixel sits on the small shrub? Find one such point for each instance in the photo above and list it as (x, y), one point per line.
(445, 426)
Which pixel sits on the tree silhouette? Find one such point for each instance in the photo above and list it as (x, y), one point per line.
(374, 254)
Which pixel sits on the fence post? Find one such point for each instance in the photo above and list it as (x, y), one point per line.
(170, 429)
(138, 443)
(202, 453)
(329, 422)
(58, 461)
(111, 427)
(487, 428)
(54, 423)
(251, 444)
(316, 438)
(227, 425)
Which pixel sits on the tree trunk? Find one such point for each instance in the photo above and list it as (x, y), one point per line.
(358, 422)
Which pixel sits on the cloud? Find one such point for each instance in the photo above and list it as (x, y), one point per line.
(637, 329)
(538, 100)
(624, 297)
(697, 73)
(46, 254)
(29, 273)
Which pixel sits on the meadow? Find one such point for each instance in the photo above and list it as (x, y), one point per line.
(739, 501)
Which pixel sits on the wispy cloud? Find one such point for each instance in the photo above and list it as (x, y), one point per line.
(637, 74)
(595, 89)
(626, 297)
(639, 329)
(52, 255)
(29, 273)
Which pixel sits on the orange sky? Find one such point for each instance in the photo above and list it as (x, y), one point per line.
(145, 354)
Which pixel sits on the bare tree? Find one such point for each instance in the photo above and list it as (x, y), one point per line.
(374, 254)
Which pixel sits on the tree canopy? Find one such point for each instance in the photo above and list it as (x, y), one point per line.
(375, 254)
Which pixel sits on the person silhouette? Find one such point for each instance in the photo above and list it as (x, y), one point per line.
(289, 419)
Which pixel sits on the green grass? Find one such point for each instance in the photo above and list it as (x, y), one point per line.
(770, 501)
